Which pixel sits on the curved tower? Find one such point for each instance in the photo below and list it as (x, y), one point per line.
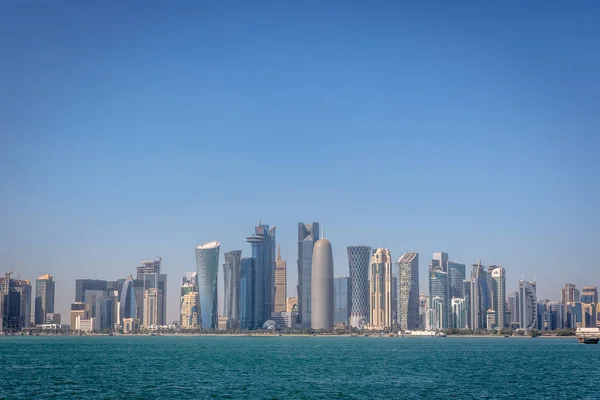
(527, 305)
(127, 303)
(358, 264)
(322, 285)
(207, 262)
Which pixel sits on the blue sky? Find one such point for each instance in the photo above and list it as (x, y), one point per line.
(142, 129)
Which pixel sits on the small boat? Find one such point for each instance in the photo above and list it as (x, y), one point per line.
(588, 340)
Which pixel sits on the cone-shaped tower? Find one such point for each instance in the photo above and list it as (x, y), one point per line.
(322, 286)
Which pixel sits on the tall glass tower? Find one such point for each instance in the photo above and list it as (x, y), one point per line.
(231, 287)
(263, 252)
(359, 258)
(207, 263)
(247, 298)
(499, 291)
(408, 291)
(308, 234)
(44, 298)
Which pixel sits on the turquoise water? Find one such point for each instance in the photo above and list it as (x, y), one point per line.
(168, 367)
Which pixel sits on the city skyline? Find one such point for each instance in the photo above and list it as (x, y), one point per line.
(491, 108)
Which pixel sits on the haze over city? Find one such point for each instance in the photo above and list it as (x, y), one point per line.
(129, 133)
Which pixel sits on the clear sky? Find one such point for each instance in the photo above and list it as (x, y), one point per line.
(135, 129)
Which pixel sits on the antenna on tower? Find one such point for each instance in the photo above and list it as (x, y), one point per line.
(323, 232)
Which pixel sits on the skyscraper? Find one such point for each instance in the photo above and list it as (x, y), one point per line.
(322, 285)
(499, 291)
(341, 301)
(459, 313)
(44, 298)
(280, 282)
(207, 263)
(358, 264)
(247, 297)
(456, 276)
(308, 234)
(440, 261)
(408, 291)
(189, 303)
(527, 305)
(513, 307)
(152, 306)
(438, 291)
(570, 294)
(263, 252)
(381, 289)
(15, 303)
(480, 297)
(150, 277)
(231, 288)
(589, 295)
(127, 301)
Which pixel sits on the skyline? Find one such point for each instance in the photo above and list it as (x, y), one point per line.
(469, 129)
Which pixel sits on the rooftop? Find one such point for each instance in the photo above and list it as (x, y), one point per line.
(407, 257)
(45, 277)
(209, 245)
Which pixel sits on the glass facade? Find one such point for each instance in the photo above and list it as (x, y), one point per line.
(263, 252)
(128, 307)
(247, 298)
(408, 291)
(231, 286)
(207, 263)
(358, 264)
(341, 300)
(438, 290)
(456, 274)
(308, 234)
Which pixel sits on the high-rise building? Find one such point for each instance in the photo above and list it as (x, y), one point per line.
(513, 307)
(152, 306)
(231, 288)
(480, 297)
(467, 290)
(341, 301)
(247, 297)
(322, 286)
(423, 307)
(408, 291)
(438, 317)
(78, 310)
(189, 304)
(589, 295)
(588, 315)
(280, 282)
(499, 294)
(439, 261)
(308, 234)
(105, 308)
(381, 289)
(438, 288)
(527, 305)
(291, 305)
(44, 298)
(263, 252)
(574, 317)
(570, 294)
(456, 277)
(358, 264)
(459, 313)
(207, 263)
(15, 303)
(149, 277)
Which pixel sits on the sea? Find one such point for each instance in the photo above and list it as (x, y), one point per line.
(296, 367)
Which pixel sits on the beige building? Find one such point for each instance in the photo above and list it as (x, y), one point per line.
(290, 303)
(189, 311)
(381, 290)
(280, 283)
(130, 324)
(588, 314)
(77, 310)
(223, 323)
(152, 307)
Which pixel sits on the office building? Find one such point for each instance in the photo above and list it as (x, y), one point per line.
(588, 315)
(152, 307)
(438, 316)
(408, 291)
(263, 252)
(499, 295)
(423, 307)
(231, 288)
(438, 288)
(381, 289)
(513, 307)
(589, 295)
(291, 305)
(308, 234)
(573, 313)
(459, 313)
(439, 261)
(322, 286)
(53, 319)
(150, 277)
(358, 263)
(341, 300)
(15, 303)
(570, 294)
(480, 297)
(527, 305)
(280, 282)
(207, 263)
(105, 308)
(247, 298)
(44, 298)
(189, 303)
(456, 277)
(128, 307)
(78, 310)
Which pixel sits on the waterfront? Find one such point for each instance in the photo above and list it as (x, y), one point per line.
(295, 368)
